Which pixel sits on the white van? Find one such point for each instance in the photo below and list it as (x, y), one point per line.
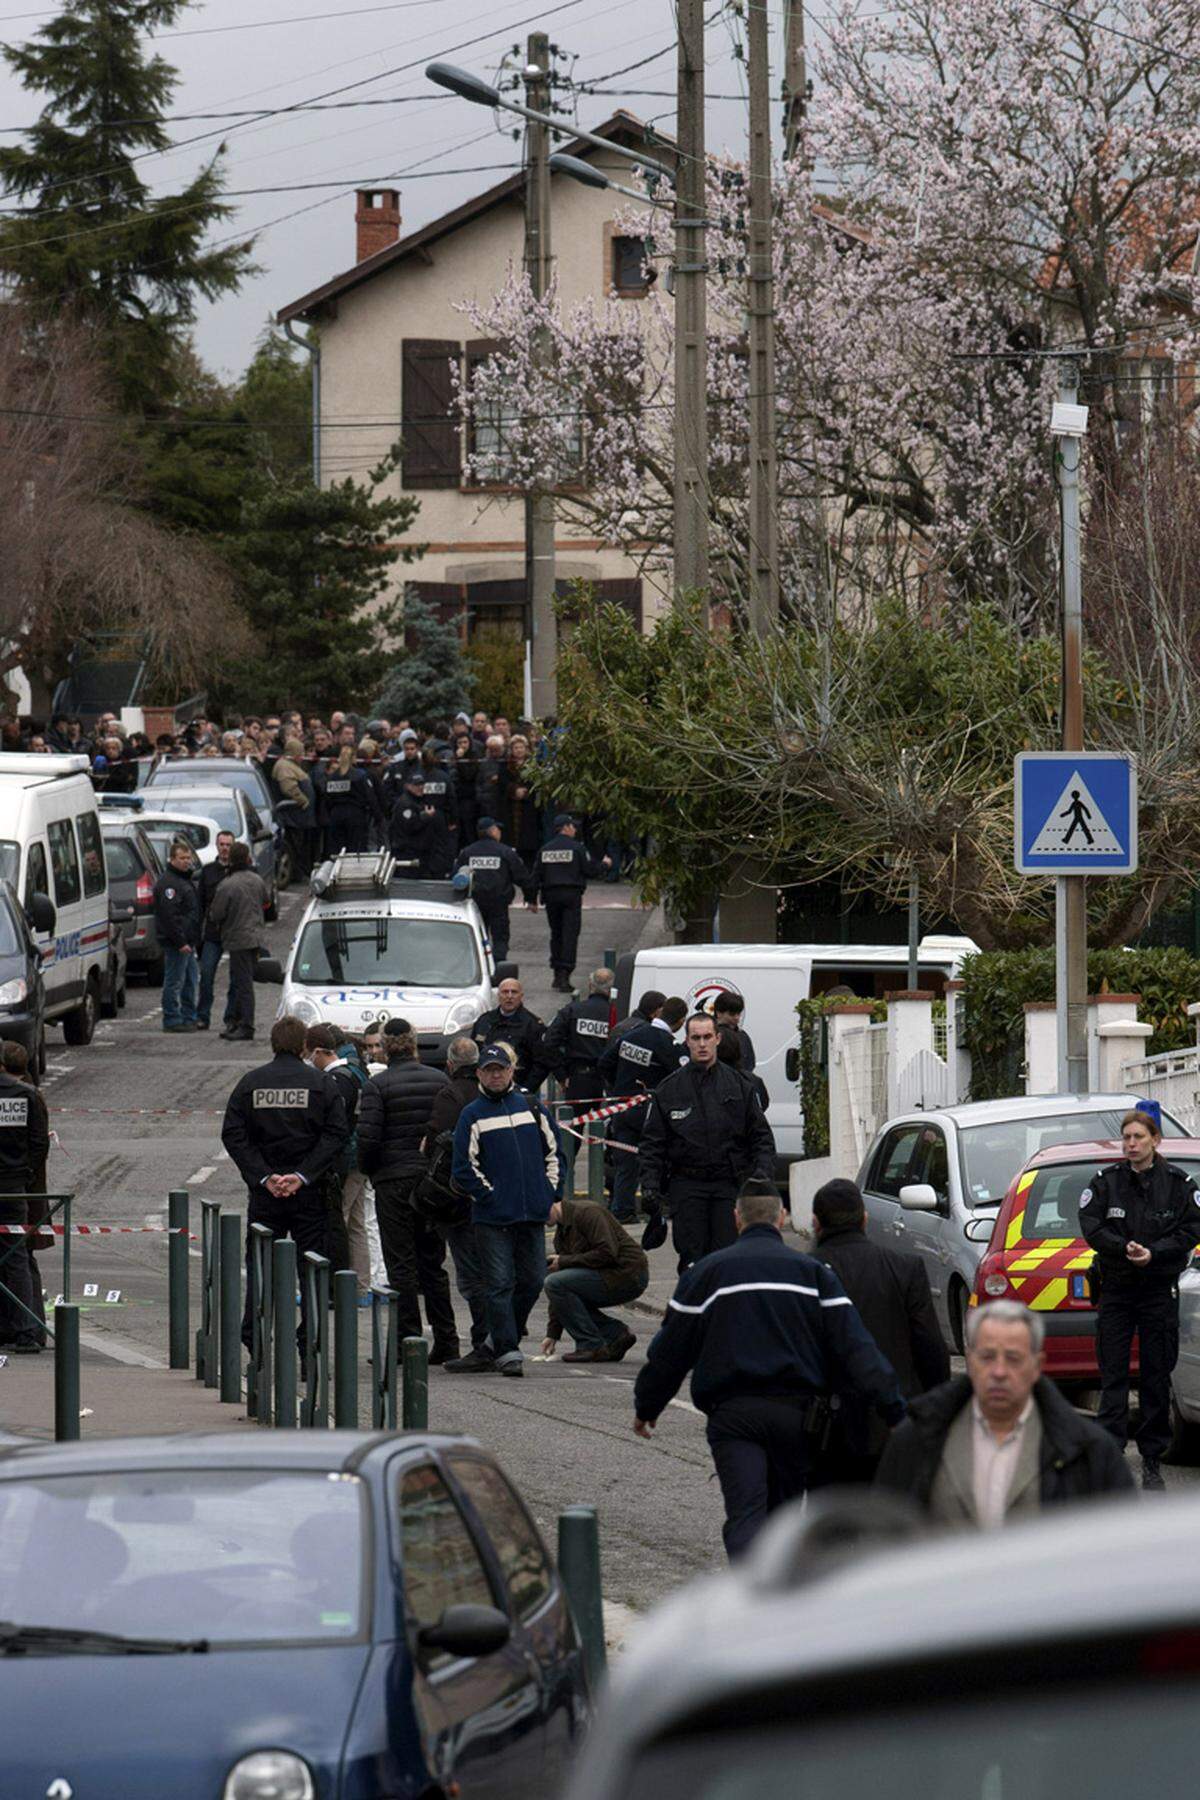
(772, 979)
(50, 845)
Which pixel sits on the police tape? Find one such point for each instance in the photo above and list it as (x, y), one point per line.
(139, 1112)
(608, 1143)
(604, 1112)
(94, 1230)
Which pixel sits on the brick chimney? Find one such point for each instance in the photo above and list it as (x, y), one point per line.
(377, 218)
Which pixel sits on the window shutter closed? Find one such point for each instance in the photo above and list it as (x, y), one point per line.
(429, 433)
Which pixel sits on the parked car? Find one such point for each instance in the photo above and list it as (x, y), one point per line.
(22, 988)
(240, 772)
(928, 1174)
(133, 868)
(162, 825)
(352, 1614)
(228, 809)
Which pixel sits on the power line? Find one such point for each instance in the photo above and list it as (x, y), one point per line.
(248, 24)
(291, 187)
(252, 114)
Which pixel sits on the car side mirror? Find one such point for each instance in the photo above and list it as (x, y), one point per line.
(791, 1064)
(268, 969)
(39, 910)
(467, 1630)
(919, 1197)
(979, 1230)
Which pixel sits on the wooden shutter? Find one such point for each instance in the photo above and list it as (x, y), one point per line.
(429, 434)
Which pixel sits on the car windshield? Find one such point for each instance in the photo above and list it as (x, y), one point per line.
(121, 859)
(10, 860)
(383, 952)
(222, 808)
(1101, 1744)
(231, 1555)
(1052, 1203)
(180, 774)
(992, 1154)
(197, 835)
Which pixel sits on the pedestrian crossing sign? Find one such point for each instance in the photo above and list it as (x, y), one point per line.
(1075, 813)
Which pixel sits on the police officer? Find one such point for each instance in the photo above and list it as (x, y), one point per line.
(704, 1135)
(417, 831)
(285, 1125)
(351, 804)
(24, 1147)
(577, 1037)
(763, 1362)
(1142, 1218)
(561, 873)
(513, 1024)
(496, 874)
(635, 1063)
(441, 793)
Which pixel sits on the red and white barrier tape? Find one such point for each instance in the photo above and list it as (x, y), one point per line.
(139, 1112)
(608, 1111)
(94, 1230)
(609, 1143)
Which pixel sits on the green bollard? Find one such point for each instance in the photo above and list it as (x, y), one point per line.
(230, 1296)
(415, 1401)
(595, 1169)
(208, 1339)
(178, 1298)
(283, 1328)
(579, 1566)
(314, 1408)
(345, 1350)
(66, 1373)
(610, 960)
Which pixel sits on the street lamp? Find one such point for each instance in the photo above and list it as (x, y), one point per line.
(591, 176)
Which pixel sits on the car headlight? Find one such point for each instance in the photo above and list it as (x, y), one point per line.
(461, 1014)
(304, 1009)
(13, 992)
(269, 1775)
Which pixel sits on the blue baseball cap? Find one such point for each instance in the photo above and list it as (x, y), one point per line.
(495, 1056)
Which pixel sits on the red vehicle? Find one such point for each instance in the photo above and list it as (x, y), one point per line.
(1036, 1254)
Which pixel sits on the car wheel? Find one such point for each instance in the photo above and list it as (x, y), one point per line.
(1184, 1447)
(79, 1025)
(154, 971)
(283, 869)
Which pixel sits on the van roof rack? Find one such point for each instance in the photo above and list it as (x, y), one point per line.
(379, 872)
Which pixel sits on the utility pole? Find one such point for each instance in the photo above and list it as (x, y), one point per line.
(691, 319)
(795, 76)
(541, 626)
(1070, 891)
(760, 300)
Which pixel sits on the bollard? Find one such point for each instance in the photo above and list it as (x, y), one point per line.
(66, 1219)
(178, 1298)
(230, 1298)
(415, 1403)
(345, 1350)
(283, 1326)
(610, 960)
(579, 1566)
(260, 1239)
(595, 1169)
(314, 1408)
(383, 1358)
(66, 1373)
(207, 1339)
(552, 1089)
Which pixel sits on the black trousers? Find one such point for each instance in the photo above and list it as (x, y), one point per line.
(495, 916)
(347, 830)
(415, 1255)
(17, 1296)
(1153, 1314)
(241, 987)
(564, 914)
(761, 1450)
(701, 1217)
(304, 1217)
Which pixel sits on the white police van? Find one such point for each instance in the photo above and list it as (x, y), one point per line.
(52, 852)
(373, 945)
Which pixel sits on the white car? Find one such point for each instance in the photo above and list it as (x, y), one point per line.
(162, 828)
(371, 946)
(928, 1176)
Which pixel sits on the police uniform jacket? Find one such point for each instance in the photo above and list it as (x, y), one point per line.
(440, 792)
(635, 1063)
(496, 871)
(394, 1117)
(284, 1119)
(1160, 1209)
(523, 1032)
(397, 773)
(177, 909)
(577, 1036)
(562, 868)
(760, 1319)
(24, 1134)
(353, 792)
(420, 836)
(704, 1125)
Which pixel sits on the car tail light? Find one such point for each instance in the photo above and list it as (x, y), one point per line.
(143, 893)
(991, 1283)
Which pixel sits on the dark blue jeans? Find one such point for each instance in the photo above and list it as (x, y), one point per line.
(514, 1268)
(181, 983)
(210, 957)
(578, 1297)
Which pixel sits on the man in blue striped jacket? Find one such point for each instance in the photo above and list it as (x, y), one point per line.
(768, 1335)
(506, 1157)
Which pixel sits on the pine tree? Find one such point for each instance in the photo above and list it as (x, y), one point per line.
(431, 681)
(93, 240)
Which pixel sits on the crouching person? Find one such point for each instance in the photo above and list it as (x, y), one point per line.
(596, 1264)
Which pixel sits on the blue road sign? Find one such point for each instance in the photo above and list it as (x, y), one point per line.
(1075, 813)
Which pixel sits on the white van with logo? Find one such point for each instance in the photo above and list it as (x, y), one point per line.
(50, 846)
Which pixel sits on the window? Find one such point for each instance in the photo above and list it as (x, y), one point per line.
(253, 821)
(91, 854)
(377, 951)
(121, 860)
(932, 1163)
(527, 1576)
(993, 1154)
(37, 881)
(892, 1163)
(631, 273)
(64, 861)
(430, 452)
(10, 860)
(440, 1562)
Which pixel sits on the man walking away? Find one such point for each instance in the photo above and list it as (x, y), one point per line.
(284, 1126)
(635, 1063)
(890, 1291)
(24, 1147)
(727, 1012)
(321, 1047)
(448, 1210)
(595, 1265)
(393, 1120)
(577, 1038)
(560, 877)
(767, 1334)
(999, 1443)
(507, 1158)
(177, 915)
(237, 913)
(209, 880)
(496, 874)
(704, 1136)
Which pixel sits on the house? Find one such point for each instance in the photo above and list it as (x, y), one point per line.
(389, 328)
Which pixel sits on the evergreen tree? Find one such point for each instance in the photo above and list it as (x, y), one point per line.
(93, 240)
(275, 395)
(431, 680)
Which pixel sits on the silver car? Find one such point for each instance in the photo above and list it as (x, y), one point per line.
(231, 810)
(929, 1175)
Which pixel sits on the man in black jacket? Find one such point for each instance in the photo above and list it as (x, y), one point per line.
(496, 874)
(704, 1136)
(513, 1024)
(561, 874)
(635, 1063)
(177, 915)
(462, 1086)
(890, 1291)
(24, 1147)
(727, 1010)
(393, 1120)
(576, 1039)
(284, 1126)
(211, 950)
(999, 1443)
(768, 1334)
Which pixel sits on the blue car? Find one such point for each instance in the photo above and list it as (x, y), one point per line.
(286, 1616)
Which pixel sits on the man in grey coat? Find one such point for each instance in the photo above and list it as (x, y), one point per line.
(237, 912)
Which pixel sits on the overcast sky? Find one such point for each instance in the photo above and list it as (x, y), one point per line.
(236, 54)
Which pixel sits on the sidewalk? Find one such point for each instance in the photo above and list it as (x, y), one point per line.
(120, 1395)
